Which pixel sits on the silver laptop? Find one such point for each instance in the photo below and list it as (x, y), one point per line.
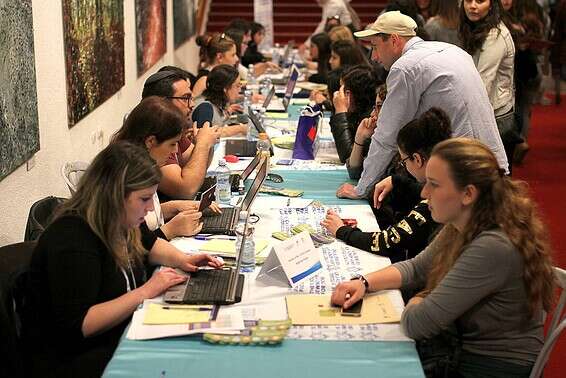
(211, 286)
(225, 222)
(281, 105)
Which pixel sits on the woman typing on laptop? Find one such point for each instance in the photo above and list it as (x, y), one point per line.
(157, 125)
(87, 273)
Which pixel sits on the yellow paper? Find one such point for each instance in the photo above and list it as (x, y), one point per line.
(277, 115)
(312, 86)
(316, 309)
(300, 101)
(176, 314)
(228, 247)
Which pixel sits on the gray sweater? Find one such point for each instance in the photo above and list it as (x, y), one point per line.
(483, 295)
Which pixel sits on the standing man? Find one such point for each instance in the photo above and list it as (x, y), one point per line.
(184, 171)
(422, 75)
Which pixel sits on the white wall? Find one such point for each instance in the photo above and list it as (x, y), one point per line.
(58, 143)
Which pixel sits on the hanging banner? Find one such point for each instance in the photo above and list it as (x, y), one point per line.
(263, 14)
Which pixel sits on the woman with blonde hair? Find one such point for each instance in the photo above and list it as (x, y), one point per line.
(487, 276)
(341, 33)
(87, 273)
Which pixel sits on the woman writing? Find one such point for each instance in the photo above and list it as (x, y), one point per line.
(87, 271)
(487, 275)
(157, 125)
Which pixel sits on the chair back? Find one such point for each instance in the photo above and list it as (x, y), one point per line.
(14, 265)
(72, 172)
(40, 214)
(557, 325)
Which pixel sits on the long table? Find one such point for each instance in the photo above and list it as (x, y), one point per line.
(190, 356)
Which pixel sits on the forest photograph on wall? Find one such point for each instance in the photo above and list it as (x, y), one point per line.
(19, 129)
(184, 25)
(151, 33)
(93, 32)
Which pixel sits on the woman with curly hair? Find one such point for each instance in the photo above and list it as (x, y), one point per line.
(486, 38)
(487, 276)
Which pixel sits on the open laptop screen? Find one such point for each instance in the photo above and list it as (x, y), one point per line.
(256, 184)
(291, 86)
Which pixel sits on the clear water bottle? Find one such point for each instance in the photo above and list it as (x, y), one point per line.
(251, 74)
(247, 263)
(265, 86)
(263, 145)
(275, 55)
(223, 187)
(247, 100)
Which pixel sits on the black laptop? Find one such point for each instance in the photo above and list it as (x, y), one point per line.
(211, 286)
(243, 147)
(236, 179)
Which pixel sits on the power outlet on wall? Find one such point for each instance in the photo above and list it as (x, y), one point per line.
(30, 163)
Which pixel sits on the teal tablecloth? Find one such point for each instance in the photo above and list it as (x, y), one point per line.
(192, 357)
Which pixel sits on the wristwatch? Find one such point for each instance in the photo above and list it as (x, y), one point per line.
(363, 279)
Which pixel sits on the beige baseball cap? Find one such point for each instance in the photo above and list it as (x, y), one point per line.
(393, 22)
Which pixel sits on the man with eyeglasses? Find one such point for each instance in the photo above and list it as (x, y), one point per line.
(184, 172)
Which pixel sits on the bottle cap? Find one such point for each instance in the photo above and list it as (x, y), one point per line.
(262, 136)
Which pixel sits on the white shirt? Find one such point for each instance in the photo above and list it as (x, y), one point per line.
(154, 219)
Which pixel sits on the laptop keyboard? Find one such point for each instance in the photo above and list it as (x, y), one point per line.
(216, 221)
(208, 286)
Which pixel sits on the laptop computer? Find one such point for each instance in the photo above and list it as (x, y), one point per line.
(211, 286)
(235, 179)
(243, 147)
(281, 105)
(225, 222)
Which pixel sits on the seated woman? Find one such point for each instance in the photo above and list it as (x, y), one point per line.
(157, 125)
(319, 54)
(252, 54)
(488, 273)
(352, 103)
(222, 88)
(362, 139)
(343, 55)
(87, 272)
(412, 233)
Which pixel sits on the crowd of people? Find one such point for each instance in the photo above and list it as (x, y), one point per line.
(429, 109)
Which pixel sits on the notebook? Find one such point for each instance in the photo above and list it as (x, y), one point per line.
(211, 286)
(225, 222)
(281, 105)
(236, 180)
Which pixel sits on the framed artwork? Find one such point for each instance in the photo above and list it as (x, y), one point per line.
(93, 32)
(19, 127)
(151, 33)
(184, 25)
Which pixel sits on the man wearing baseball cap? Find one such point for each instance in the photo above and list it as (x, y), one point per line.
(422, 75)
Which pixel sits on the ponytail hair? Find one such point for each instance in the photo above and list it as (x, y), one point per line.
(501, 203)
(212, 44)
(423, 133)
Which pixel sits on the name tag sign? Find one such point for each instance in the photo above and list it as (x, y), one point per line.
(290, 262)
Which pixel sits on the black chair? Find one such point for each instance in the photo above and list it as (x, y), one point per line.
(40, 214)
(14, 265)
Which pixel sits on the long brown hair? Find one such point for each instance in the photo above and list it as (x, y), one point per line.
(210, 45)
(473, 34)
(115, 172)
(447, 12)
(502, 203)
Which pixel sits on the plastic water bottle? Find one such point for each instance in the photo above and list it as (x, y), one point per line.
(223, 187)
(251, 74)
(247, 100)
(265, 86)
(263, 145)
(275, 55)
(247, 260)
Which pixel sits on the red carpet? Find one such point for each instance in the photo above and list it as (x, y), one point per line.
(544, 168)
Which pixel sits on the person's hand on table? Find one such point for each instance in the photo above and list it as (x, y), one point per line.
(215, 207)
(382, 189)
(191, 263)
(257, 98)
(161, 281)
(185, 223)
(347, 293)
(332, 222)
(235, 108)
(347, 191)
(317, 96)
(340, 101)
(261, 68)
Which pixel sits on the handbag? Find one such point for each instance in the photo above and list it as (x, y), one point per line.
(307, 128)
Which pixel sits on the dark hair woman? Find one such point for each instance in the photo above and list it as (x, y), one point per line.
(412, 233)
(320, 53)
(488, 271)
